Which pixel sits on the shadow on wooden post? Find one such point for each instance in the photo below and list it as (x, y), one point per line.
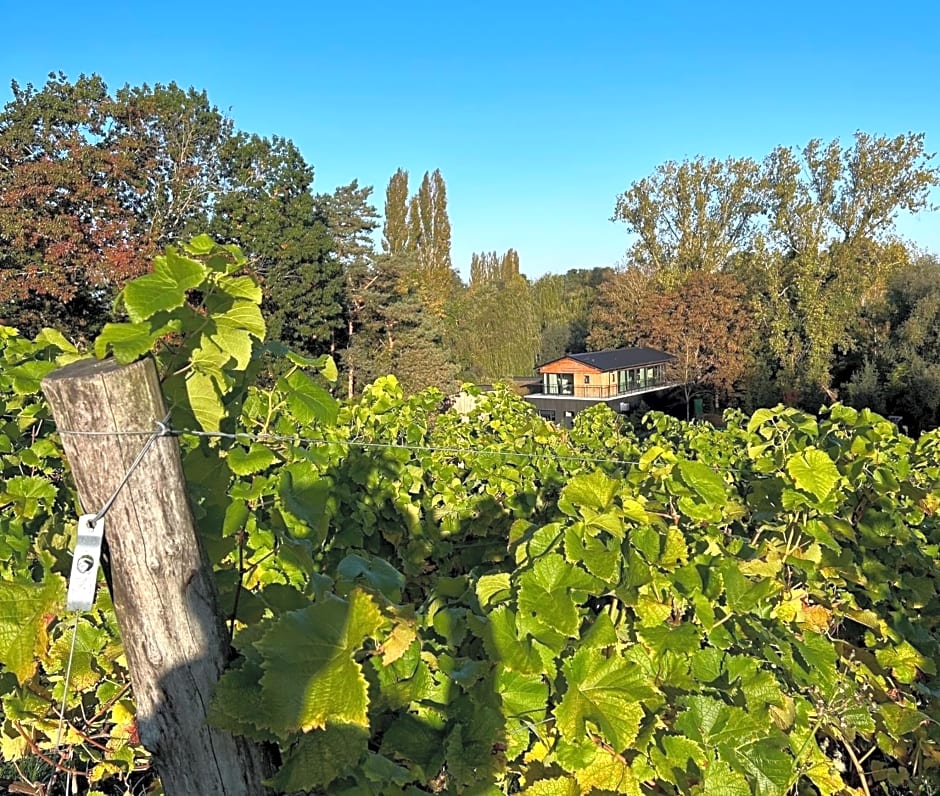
(164, 596)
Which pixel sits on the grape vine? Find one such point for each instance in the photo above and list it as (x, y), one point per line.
(429, 602)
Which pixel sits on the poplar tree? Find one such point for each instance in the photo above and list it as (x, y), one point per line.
(395, 232)
(429, 240)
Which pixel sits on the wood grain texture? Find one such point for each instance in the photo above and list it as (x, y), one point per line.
(164, 595)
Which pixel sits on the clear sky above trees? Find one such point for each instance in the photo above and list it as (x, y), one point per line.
(538, 114)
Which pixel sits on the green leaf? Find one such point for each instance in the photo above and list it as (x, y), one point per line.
(28, 375)
(770, 768)
(524, 696)
(904, 662)
(308, 401)
(703, 480)
(26, 609)
(205, 400)
(311, 679)
(54, 338)
(374, 571)
(608, 773)
(255, 459)
(238, 704)
(553, 786)
(492, 589)
(243, 287)
(319, 758)
(597, 557)
(722, 780)
(813, 471)
(245, 315)
(234, 341)
(504, 646)
(200, 245)
(329, 371)
(604, 695)
(901, 720)
(163, 289)
(129, 341)
(303, 495)
(594, 491)
(545, 593)
(22, 488)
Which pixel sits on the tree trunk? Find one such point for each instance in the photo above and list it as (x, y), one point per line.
(162, 586)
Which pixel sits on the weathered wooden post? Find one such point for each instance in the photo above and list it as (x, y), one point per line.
(164, 596)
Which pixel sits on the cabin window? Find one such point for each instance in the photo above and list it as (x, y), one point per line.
(559, 384)
(547, 414)
(587, 379)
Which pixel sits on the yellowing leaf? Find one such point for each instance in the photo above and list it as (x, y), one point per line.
(555, 786)
(608, 772)
(817, 617)
(26, 610)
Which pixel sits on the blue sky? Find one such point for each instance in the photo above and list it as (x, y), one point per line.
(537, 113)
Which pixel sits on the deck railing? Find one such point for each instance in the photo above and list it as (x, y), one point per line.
(603, 391)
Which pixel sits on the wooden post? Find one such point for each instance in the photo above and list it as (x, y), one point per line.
(164, 596)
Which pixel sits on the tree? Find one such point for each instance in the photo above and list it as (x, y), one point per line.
(901, 370)
(429, 240)
(67, 243)
(829, 245)
(614, 315)
(268, 210)
(396, 334)
(173, 139)
(705, 325)
(497, 323)
(691, 216)
(395, 231)
(810, 233)
(351, 220)
(563, 306)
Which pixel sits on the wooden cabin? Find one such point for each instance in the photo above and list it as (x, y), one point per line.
(575, 381)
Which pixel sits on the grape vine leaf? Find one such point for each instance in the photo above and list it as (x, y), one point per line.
(25, 612)
(609, 773)
(308, 400)
(129, 341)
(603, 695)
(310, 676)
(255, 459)
(504, 645)
(813, 471)
(704, 481)
(592, 491)
(319, 758)
(545, 593)
(554, 786)
(722, 780)
(163, 289)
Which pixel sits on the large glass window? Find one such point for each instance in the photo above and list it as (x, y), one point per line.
(558, 384)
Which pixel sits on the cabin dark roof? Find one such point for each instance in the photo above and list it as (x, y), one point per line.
(620, 358)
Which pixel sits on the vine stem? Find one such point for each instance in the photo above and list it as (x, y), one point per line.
(34, 748)
(856, 763)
